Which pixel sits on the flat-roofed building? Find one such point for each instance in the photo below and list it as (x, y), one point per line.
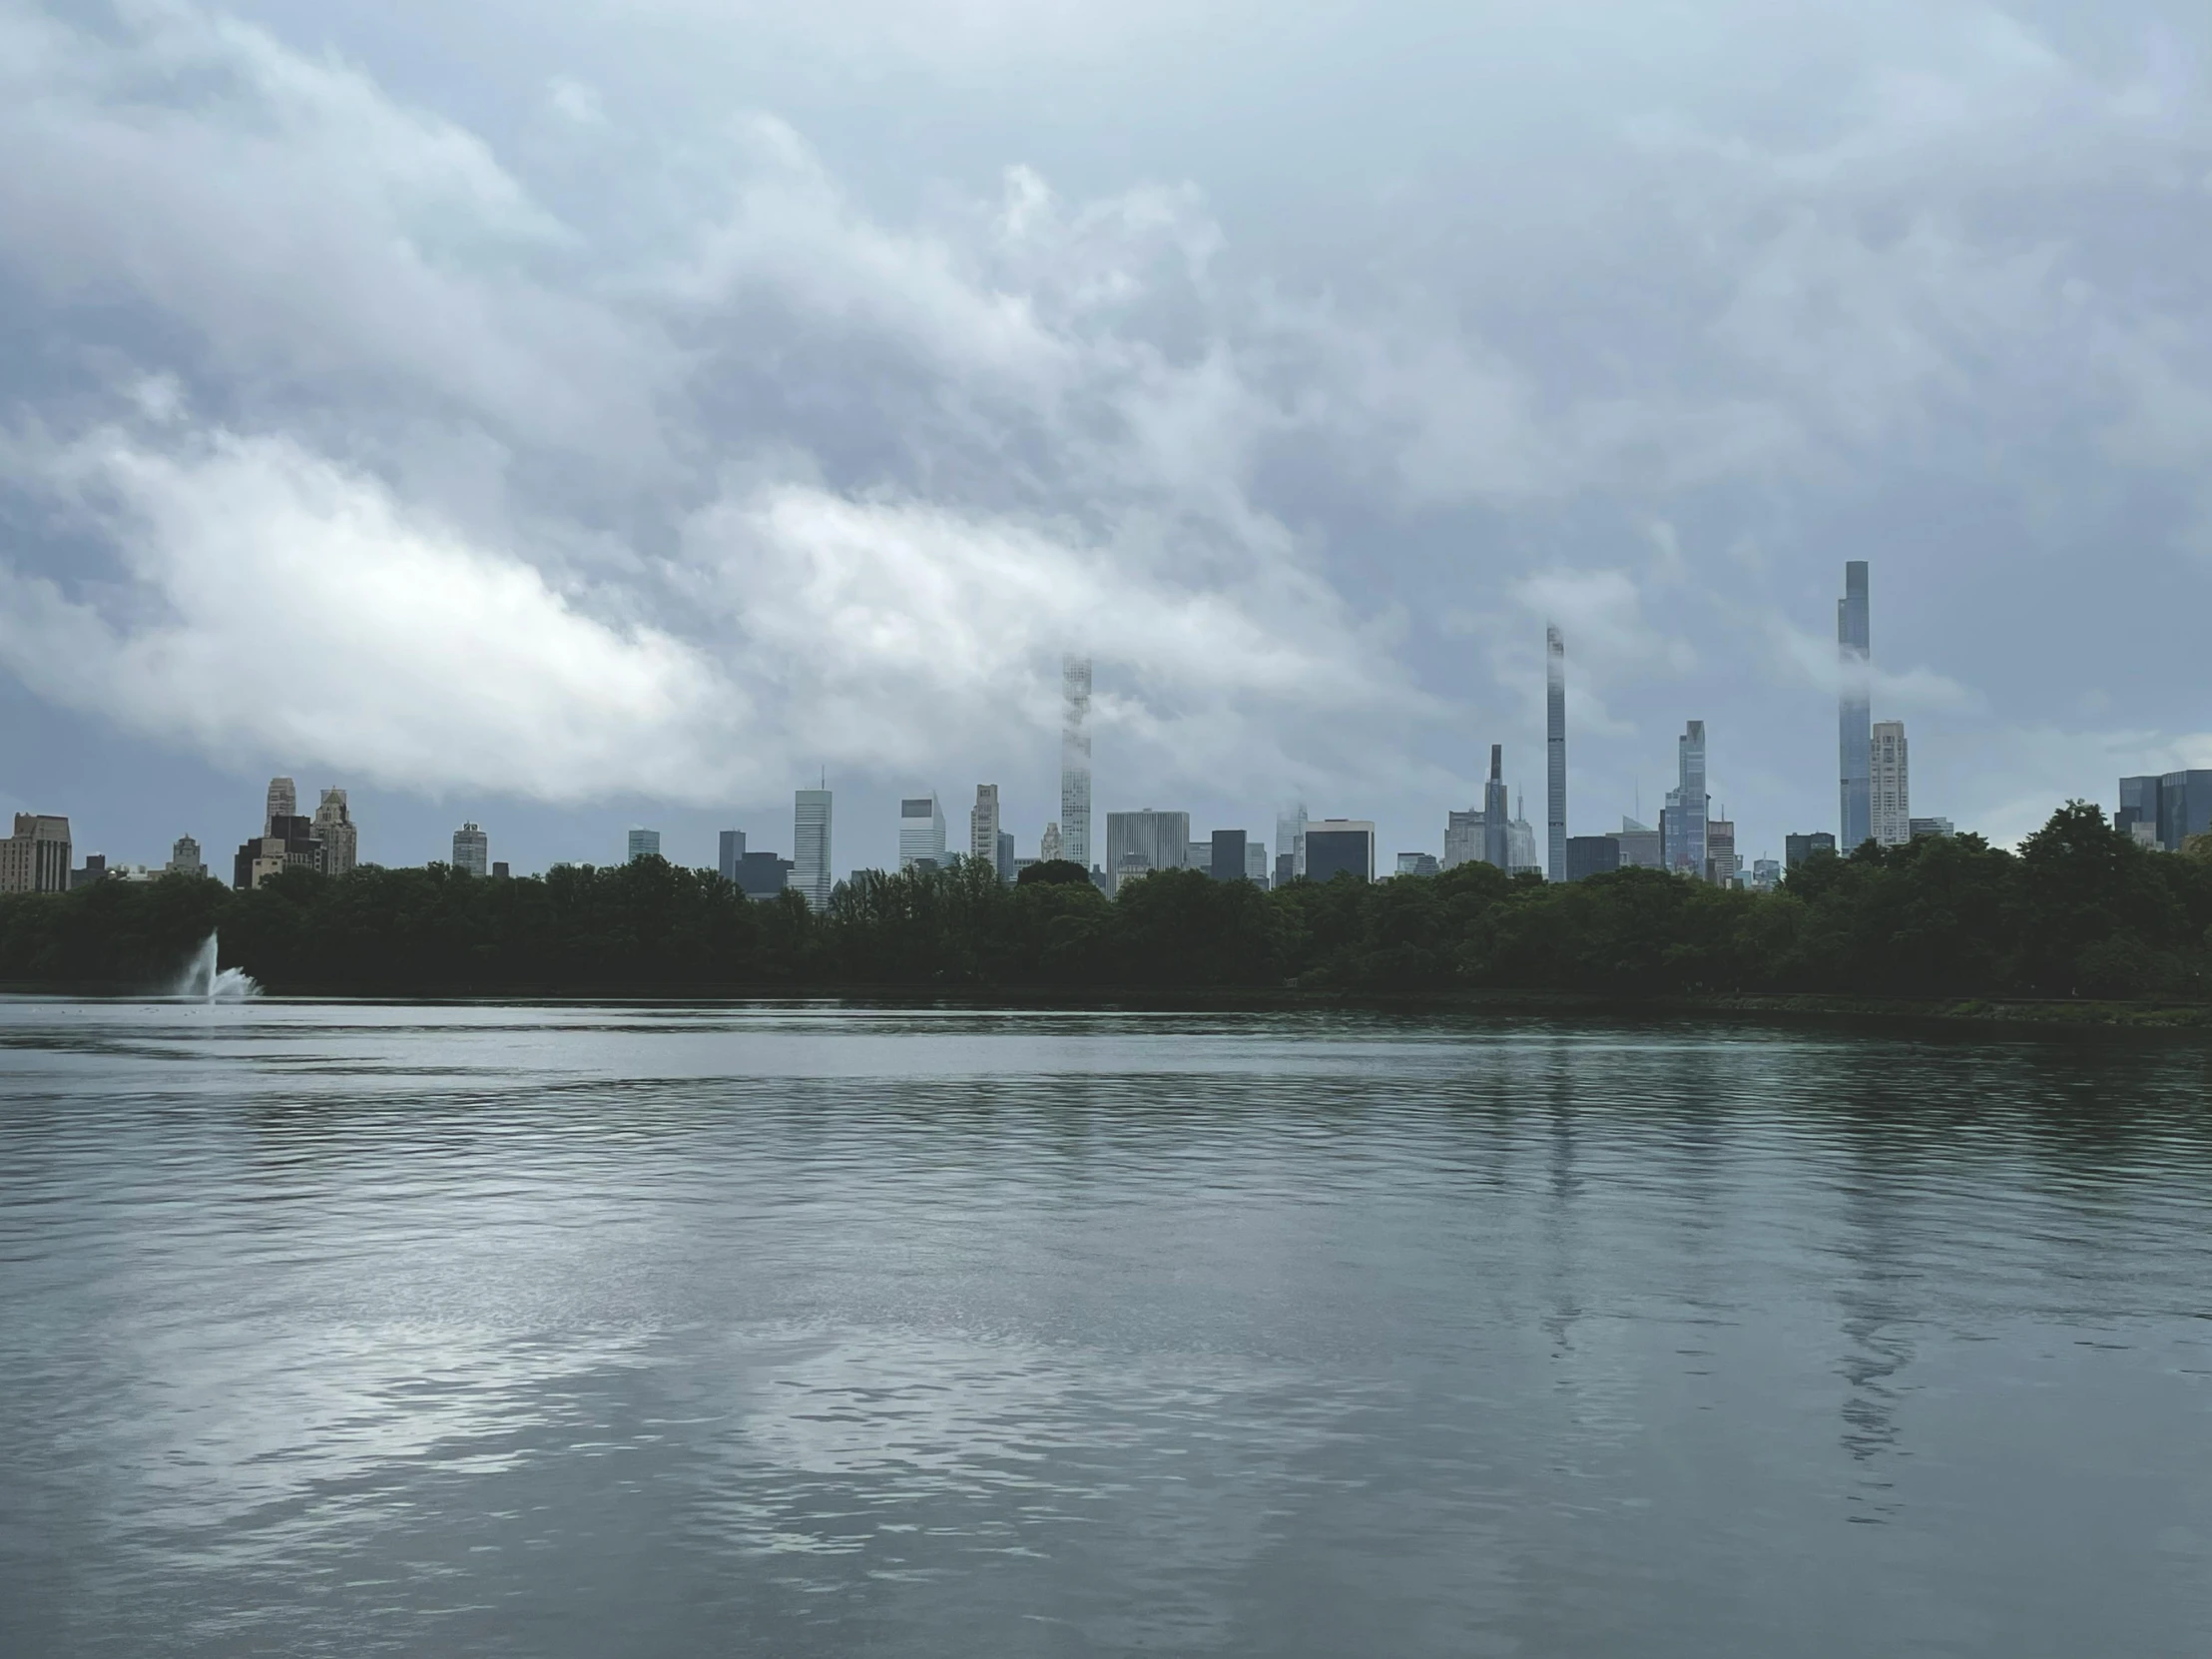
(1797, 849)
(1139, 843)
(1226, 856)
(1339, 846)
(1589, 856)
(471, 851)
(35, 859)
(920, 830)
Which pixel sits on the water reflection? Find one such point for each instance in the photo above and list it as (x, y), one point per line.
(811, 1329)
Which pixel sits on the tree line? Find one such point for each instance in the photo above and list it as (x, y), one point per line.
(2080, 910)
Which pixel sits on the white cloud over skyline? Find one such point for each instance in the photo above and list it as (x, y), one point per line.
(566, 437)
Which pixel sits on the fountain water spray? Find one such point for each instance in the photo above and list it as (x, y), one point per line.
(202, 981)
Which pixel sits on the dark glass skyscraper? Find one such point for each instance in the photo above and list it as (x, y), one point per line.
(1498, 815)
(1855, 715)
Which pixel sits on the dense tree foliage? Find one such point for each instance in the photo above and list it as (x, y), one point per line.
(2080, 910)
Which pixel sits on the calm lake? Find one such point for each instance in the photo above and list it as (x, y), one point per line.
(336, 1328)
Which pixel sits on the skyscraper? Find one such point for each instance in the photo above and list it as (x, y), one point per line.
(1075, 759)
(1050, 847)
(2176, 804)
(333, 827)
(1463, 837)
(1688, 806)
(729, 854)
(1498, 813)
(1340, 845)
(1855, 711)
(811, 845)
(36, 857)
(1225, 859)
(185, 859)
(283, 802)
(920, 830)
(982, 822)
(643, 843)
(1290, 837)
(1555, 753)
(471, 851)
(1887, 794)
(1137, 844)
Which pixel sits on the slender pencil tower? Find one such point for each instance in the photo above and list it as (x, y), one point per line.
(1075, 759)
(1555, 753)
(1855, 710)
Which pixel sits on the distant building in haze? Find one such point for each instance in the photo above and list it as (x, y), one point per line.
(761, 874)
(1520, 845)
(1290, 837)
(1419, 864)
(185, 859)
(1050, 847)
(1721, 864)
(729, 853)
(1226, 856)
(1498, 816)
(1075, 759)
(283, 801)
(1797, 849)
(1642, 846)
(1766, 874)
(1340, 845)
(333, 827)
(1005, 860)
(1888, 790)
(1589, 856)
(920, 830)
(1855, 711)
(1682, 825)
(1463, 837)
(1555, 754)
(1940, 827)
(1256, 861)
(810, 853)
(643, 843)
(471, 851)
(1138, 843)
(2177, 804)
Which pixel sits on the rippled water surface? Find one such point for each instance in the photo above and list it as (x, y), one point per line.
(655, 1330)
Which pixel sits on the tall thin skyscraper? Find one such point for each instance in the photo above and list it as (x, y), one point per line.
(334, 829)
(1889, 784)
(1498, 815)
(1290, 839)
(810, 847)
(1555, 753)
(283, 802)
(1853, 651)
(1075, 759)
(982, 822)
(920, 830)
(1688, 806)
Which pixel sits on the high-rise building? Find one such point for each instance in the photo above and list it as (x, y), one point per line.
(1797, 849)
(761, 874)
(1520, 843)
(36, 857)
(1766, 874)
(1256, 861)
(185, 859)
(983, 826)
(920, 830)
(291, 845)
(1075, 759)
(1642, 846)
(643, 843)
(1688, 806)
(1721, 864)
(1285, 872)
(95, 869)
(500, 871)
(730, 853)
(810, 847)
(333, 827)
(1138, 843)
(1339, 846)
(1940, 827)
(1006, 859)
(2178, 803)
(1463, 837)
(1290, 837)
(1589, 856)
(283, 802)
(1854, 712)
(471, 851)
(1050, 847)
(1498, 816)
(1226, 856)
(1555, 753)
(1888, 793)
(1417, 863)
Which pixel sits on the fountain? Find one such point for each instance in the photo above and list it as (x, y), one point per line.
(202, 981)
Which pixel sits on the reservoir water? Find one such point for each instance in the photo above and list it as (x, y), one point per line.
(801, 1330)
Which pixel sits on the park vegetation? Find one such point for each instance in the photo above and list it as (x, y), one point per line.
(2079, 910)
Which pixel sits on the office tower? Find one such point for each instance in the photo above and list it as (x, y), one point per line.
(1417, 863)
(1765, 876)
(1887, 794)
(1520, 843)
(1855, 708)
(1642, 846)
(1338, 847)
(1797, 849)
(291, 845)
(95, 869)
(1137, 844)
(1555, 754)
(730, 849)
(2177, 804)
(471, 851)
(185, 859)
(1497, 817)
(500, 871)
(1462, 838)
(643, 843)
(1589, 856)
(1226, 856)
(1006, 859)
(1256, 861)
(1075, 759)
(810, 847)
(1049, 845)
(1290, 837)
(1940, 827)
(1721, 868)
(1688, 806)
(983, 826)
(1285, 872)
(920, 830)
(283, 802)
(761, 874)
(333, 827)
(1199, 856)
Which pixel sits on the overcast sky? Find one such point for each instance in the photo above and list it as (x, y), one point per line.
(567, 415)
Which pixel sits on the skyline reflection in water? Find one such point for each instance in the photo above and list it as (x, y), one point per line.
(807, 1330)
